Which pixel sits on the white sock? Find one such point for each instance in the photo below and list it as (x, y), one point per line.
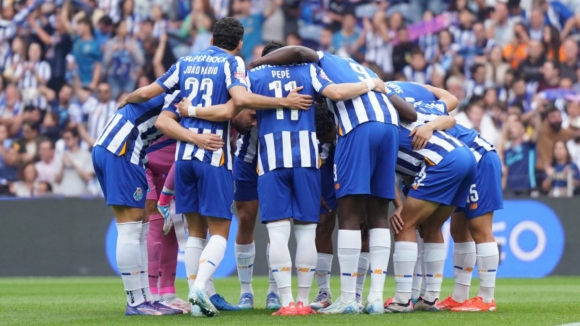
(193, 249)
(210, 259)
(379, 250)
(144, 263)
(418, 271)
(305, 235)
(434, 259)
(280, 260)
(245, 255)
(349, 246)
(129, 260)
(210, 287)
(463, 264)
(404, 259)
(361, 274)
(272, 287)
(323, 267)
(487, 262)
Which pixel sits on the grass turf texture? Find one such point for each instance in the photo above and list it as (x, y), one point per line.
(100, 301)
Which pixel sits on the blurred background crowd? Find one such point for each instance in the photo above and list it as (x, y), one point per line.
(513, 65)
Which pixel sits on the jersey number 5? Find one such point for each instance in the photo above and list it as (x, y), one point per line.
(193, 86)
(276, 86)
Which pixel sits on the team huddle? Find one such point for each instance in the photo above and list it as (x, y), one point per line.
(321, 139)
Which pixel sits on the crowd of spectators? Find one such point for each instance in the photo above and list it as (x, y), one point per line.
(513, 64)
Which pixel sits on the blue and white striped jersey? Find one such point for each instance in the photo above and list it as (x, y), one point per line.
(465, 134)
(205, 79)
(371, 106)
(410, 161)
(410, 92)
(132, 129)
(287, 138)
(247, 146)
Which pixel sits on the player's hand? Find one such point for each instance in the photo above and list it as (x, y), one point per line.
(421, 136)
(297, 101)
(211, 142)
(324, 205)
(397, 221)
(379, 86)
(183, 107)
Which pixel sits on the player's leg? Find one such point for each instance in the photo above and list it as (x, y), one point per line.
(167, 271)
(275, 211)
(306, 194)
(215, 200)
(384, 144)
(352, 183)
(167, 193)
(363, 262)
(123, 185)
(324, 248)
(324, 231)
(417, 285)
(272, 298)
(485, 197)
(463, 261)
(246, 203)
(433, 258)
(154, 246)
(446, 183)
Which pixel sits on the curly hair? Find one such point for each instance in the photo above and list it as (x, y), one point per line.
(324, 119)
(271, 46)
(227, 33)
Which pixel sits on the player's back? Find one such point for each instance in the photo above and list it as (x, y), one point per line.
(469, 136)
(411, 92)
(205, 79)
(286, 138)
(371, 106)
(409, 161)
(132, 129)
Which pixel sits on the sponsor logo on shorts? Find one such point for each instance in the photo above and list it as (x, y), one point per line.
(473, 206)
(337, 186)
(138, 194)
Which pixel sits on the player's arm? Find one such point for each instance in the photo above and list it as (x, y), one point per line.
(422, 134)
(404, 108)
(346, 91)
(244, 99)
(169, 80)
(168, 124)
(396, 220)
(287, 55)
(444, 96)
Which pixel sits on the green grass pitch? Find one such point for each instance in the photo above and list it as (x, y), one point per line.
(100, 301)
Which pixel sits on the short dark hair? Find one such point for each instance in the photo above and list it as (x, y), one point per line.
(417, 51)
(106, 20)
(73, 131)
(324, 121)
(271, 46)
(48, 141)
(227, 33)
(32, 125)
(475, 67)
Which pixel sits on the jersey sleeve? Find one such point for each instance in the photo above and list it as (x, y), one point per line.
(439, 106)
(319, 79)
(235, 71)
(320, 54)
(170, 79)
(171, 101)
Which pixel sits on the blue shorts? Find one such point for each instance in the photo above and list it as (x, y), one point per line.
(245, 180)
(365, 160)
(122, 182)
(286, 193)
(448, 182)
(485, 194)
(327, 186)
(203, 188)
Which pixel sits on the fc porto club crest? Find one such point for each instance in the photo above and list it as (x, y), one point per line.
(138, 195)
